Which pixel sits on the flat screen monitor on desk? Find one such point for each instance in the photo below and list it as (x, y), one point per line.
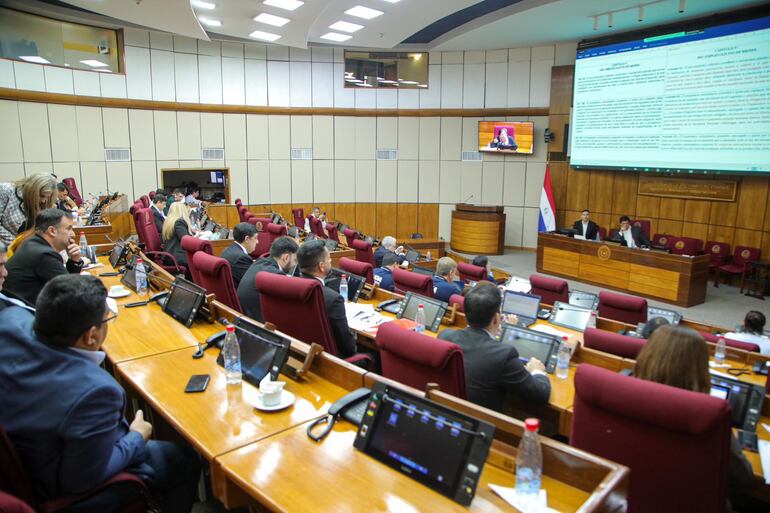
(584, 299)
(570, 316)
(532, 344)
(745, 400)
(434, 310)
(355, 283)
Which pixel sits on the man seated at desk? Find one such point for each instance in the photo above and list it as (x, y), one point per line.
(753, 331)
(388, 246)
(446, 281)
(282, 260)
(383, 275)
(238, 253)
(585, 227)
(491, 367)
(316, 213)
(158, 208)
(630, 236)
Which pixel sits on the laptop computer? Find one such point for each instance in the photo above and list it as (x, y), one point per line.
(523, 306)
(412, 256)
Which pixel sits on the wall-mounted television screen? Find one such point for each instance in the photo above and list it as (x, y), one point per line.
(507, 136)
(689, 98)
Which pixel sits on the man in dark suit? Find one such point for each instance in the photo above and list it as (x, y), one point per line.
(38, 259)
(383, 275)
(585, 227)
(388, 245)
(282, 260)
(71, 444)
(446, 281)
(238, 253)
(493, 369)
(158, 208)
(315, 262)
(630, 236)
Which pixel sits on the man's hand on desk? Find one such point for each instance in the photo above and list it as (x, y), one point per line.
(141, 426)
(535, 365)
(510, 319)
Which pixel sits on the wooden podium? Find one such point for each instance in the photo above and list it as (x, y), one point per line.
(478, 230)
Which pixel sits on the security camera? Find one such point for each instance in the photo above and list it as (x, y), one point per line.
(548, 136)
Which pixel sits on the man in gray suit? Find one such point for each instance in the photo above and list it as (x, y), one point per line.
(493, 369)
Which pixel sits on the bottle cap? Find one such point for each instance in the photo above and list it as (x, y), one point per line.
(564, 338)
(345, 276)
(139, 261)
(230, 328)
(82, 233)
(532, 424)
(421, 305)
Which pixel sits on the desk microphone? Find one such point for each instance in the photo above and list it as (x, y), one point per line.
(469, 197)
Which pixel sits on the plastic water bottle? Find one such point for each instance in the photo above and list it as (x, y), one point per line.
(592, 320)
(83, 244)
(344, 287)
(232, 357)
(562, 360)
(141, 277)
(529, 465)
(719, 353)
(419, 318)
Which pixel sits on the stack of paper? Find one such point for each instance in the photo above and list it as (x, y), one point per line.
(517, 284)
(764, 457)
(362, 317)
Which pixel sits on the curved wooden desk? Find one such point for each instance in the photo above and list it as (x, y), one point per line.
(478, 230)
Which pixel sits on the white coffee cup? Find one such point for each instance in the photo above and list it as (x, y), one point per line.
(117, 289)
(271, 392)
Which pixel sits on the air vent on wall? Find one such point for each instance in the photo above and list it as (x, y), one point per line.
(213, 154)
(474, 156)
(117, 154)
(302, 154)
(387, 154)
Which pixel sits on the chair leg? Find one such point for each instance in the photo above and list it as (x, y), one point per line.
(743, 279)
(716, 277)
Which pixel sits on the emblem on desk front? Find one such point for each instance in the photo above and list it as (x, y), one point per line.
(604, 252)
(679, 244)
(745, 254)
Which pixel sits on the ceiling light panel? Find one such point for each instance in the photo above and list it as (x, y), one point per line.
(203, 5)
(289, 5)
(34, 58)
(209, 22)
(276, 21)
(94, 63)
(366, 13)
(393, 1)
(344, 26)
(334, 36)
(264, 36)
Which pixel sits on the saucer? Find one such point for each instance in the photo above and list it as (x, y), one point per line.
(287, 399)
(116, 295)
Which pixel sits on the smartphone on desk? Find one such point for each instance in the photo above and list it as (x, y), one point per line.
(748, 440)
(197, 383)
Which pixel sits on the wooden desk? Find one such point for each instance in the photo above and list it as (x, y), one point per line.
(436, 247)
(674, 279)
(478, 230)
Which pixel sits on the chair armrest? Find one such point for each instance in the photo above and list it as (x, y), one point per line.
(360, 360)
(159, 256)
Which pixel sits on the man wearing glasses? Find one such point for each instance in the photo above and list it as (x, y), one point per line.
(65, 414)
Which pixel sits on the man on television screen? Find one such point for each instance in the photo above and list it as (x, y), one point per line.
(585, 227)
(504, 141)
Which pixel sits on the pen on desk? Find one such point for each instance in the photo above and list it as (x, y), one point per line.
(766, 426)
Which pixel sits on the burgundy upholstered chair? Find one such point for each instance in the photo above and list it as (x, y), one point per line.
(687, 246)
(359, 268)
(350, 235)
(296, 306)
(416, 359)
(149, 234)
(151, 194)
(363, 251)
(550, 290)
(675, 442)
(459, 300)
(299, 217)
(719, 253)
(317, 227)
(136, 206)
(613, 343)
(602, 233)
(217, 278)
(145, 201)
(11, 504)
(644, 224)
(274, 231)
(263, 238)
(741, 257)
(469, 272)
(135, 212)
(744, 346)
(408, 281)
(260, 222)
(242, 211)
(331, 229)
(619, 307)
(74, 192)
(663, 239)
(192, 245)
(238, 202)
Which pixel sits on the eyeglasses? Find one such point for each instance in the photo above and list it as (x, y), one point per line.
(108, 319)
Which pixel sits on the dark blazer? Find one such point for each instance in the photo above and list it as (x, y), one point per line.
(383, 277)
(492, 369)
(335, 309)
(248, 294)
(591, 231)
(76, 441)
(443, 289)
(636, 233)
(33, 264)
(158, 217)
(174, 244)
(381, 252)
(239, 261)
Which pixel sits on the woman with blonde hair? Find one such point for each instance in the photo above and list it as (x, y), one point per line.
(21, 201)
(176, 226)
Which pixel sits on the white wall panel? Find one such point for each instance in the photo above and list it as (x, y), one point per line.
(116, 133)
(344, 181)
(470, 182)
(518, 84)
(497, 56)
(386, 187)
(429, 181)
(541, 148)
(255, 51)
(256, 82)
(162, 68)
(58, 80)
(323, 137)
(10, 142)
(514, 222)
(430, 138)
(31, 168)
(408, 138)
(186, 77)
(496, 94)
(407, 181)
(210, 48)
(529, 228)
(7, 79)
(239, 180)
(67, 170)
(451, 138)
(565, 54)
(35, 138)
(344, 137)
(144, 175)
(366, 175)
(540, 84)
(514, 182)
(473, 85)
(112, 86)
(94, 178)
(232, 49)
(492, 183)
(257, 137)
(10, 172)
(301, 131)
(319, 54)
(451, 86)
(166, 144)
(278, 94)
(235, 137)
(62, 122)
(474, 57)
(184, 44)
(470, 140)
(323, 181)
(445, 221)
(259, 181)
(119, 178)
(210, 78)
(299, 54)
(194, 163)
(29, 76)
(161, 41)
(164, 164)
(142, 133)
(189, 135)
(301, 181)
(138, 73)
(366, 138)
(86, 83)
(534, 183)
(322, 83)
(280, 181)
(280, 137)
(233, 85)
(366, 98)
(451, 57)
(409, 98)
(343, 96)
(212, 131)
(449, 182)
(277, 53)
(387, 132)
(387, 99)
(430, 98)
(300, 88)
(136, 37)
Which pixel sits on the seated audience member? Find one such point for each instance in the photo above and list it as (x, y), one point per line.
(446, 281)
(491, 367)
(315, 262)
(238, 253)
(630, 236)
(6, 301)
(81, 439)
(193, 195)
(176, 226)
(388, 245)
(383, 275)
(63, 201)
(282, 260)
(679, 357)
(38, 259)
(483, 261)
(22, 201)
(753, 331)
(158, 208)
(316, 212)
(177, 195)
(585, 227)
(652, 325)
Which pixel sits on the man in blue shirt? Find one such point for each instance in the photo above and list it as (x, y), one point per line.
(446, 281)
(383, 276)
(388, 246)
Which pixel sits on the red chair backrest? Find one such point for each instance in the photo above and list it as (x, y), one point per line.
(238, 202)
(242, 211)
(602, 233)
(744, 346)
(359, 268)
(550, 290)
(192, 245)
(13, 476)
(718, 251)
(350, 235)
(274, 231)
(11, 504)
(644, 224)
(151, 194)
(676, 442)
(260, 222)
(457, 299)
(217, 278)
(299, 216)
(74, 192)
(408, 281)
(136, 206)
(619, 307)
(331, 229)
(416, 359)
(145, 201)
(135, 210)
(146, 229)
(613, 343)
(663, 239)
(745, 254)
(470, 272)
(316, 226)
(687, 246)
(363, 251)
(296, 306)
(263, 238)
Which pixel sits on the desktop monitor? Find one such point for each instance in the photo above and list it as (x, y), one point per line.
(520, 304)
(262, 351)
(745, 400)
(532, 344)
(571, 316)
(434, 310)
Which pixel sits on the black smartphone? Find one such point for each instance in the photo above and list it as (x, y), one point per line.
(109, 274)
(748, 440)
(197, 383)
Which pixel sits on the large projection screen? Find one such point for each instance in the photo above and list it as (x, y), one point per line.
(695, 101)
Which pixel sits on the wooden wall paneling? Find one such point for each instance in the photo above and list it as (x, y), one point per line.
(561, 89)
(329, 208)
(724, 213)
(570, 216)
(604, 220)
(696, 211)
(767, 213)
(722, 234)
(427, 220)
(695, 230)
(750, 238)
(366, 217)
(306, 208)
(407, 220)
(669, 226)
(578, 183)
(765, 246)
(624, 194)
(284, 209)
(386, 221)
(346, 213)
(600, 192)
(647, 207)
(672, 208)
(559, 187)
(557, 147)
(752, 203)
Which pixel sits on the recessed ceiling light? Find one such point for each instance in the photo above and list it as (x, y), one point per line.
(270, 19)
(203, 5)
(409, 82)
(103, 70)
(265, 36)
(34, 58)
(345, 26)
(334, 36)
(289, 5)
(393, 1)
(209, 22)
(94, 63)
(360, 11)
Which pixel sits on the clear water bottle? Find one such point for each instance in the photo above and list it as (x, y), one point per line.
(529, 465)
(141, 277)
(719, 353)
(562, 360)
(83, 245)
(232, 357)
(592, 320)
(419, 318)
(344, 287)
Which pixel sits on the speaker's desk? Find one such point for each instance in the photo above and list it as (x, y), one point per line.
(478, 230)
(677, 279)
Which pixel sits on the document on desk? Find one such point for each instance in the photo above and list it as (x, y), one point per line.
(509, 496)
(362, 317)
(550, 330)
(764, 457)
(517, 284)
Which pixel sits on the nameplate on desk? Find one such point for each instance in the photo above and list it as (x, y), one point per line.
(688, 188)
